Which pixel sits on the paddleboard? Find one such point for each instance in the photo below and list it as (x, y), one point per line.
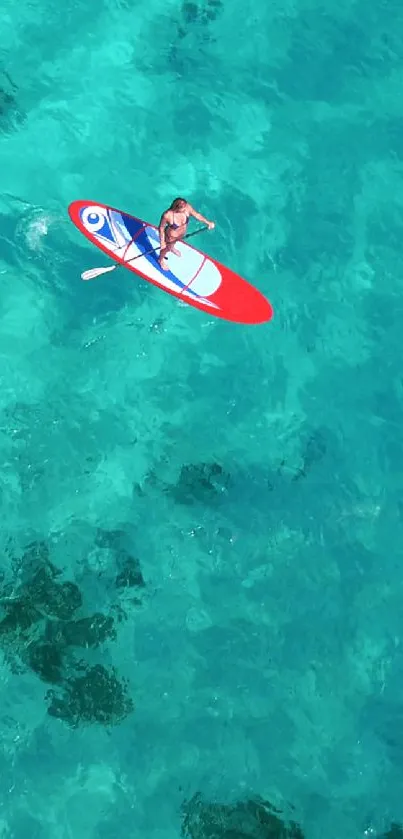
(193, 277)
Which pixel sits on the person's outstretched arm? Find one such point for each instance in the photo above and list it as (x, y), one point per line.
(199, 217)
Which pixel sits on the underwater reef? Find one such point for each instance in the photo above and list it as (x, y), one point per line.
(252, 818)
(211, 483)
(395, 832)
(44, 627)
(199, 13)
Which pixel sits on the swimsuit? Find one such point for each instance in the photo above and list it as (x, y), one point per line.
(174, 226)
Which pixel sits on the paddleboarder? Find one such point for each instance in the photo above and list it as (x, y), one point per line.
(173, 226)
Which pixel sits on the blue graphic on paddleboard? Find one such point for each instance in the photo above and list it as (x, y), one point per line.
(130, 238)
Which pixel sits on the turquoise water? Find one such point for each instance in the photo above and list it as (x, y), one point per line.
(201, 522)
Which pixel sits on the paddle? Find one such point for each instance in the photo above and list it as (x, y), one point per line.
(96, 272)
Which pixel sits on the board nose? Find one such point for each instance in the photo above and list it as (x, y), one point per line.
(246, 305)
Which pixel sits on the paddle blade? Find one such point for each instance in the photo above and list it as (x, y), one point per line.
(96, 272)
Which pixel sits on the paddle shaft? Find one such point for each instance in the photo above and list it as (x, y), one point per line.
(158, 248)
(92, 273)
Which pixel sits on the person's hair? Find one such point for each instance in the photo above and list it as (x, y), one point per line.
(177, 203)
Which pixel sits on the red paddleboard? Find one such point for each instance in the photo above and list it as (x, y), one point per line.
(194, 277)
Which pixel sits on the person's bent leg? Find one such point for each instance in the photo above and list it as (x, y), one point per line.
(163, 257)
